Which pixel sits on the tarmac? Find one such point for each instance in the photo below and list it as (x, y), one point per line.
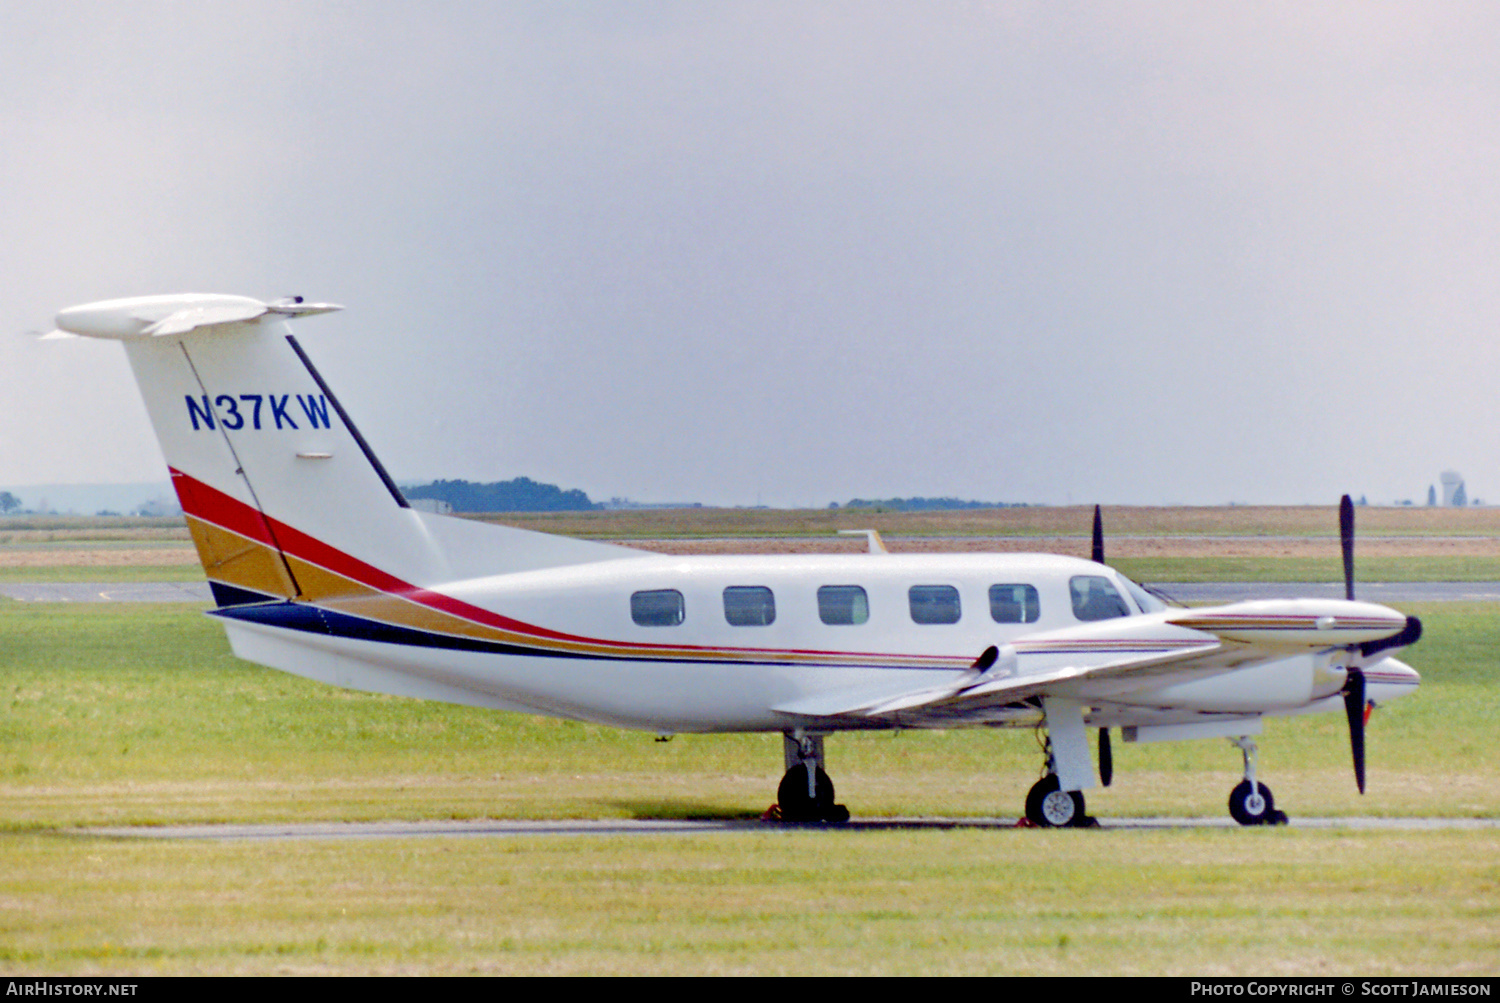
(497, 828)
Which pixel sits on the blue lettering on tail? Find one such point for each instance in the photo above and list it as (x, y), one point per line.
(195, 412)
(244, 411)
(231, 417)
(257, 399)
(278, 410)
(316, 409)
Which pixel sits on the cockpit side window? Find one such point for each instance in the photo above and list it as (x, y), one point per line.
(1096, 598)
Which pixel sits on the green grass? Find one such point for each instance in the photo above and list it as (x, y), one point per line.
(138, 714)
(106, 703)
(957, 902)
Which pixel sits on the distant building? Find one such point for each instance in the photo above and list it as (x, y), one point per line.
(158, 507)
(1453, 488)
(625, 504)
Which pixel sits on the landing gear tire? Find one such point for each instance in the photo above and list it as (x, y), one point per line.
(796, 806)
(1048, 806)
(1254, 806)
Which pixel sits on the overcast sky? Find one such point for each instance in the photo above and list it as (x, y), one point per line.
(787, 253)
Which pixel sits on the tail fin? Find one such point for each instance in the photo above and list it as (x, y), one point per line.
(283, 496)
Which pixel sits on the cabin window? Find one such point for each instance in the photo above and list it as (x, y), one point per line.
(843, 605)
(934, 604)
(1014, 604)
(1095, 598)
(657, 608)
(749, 606)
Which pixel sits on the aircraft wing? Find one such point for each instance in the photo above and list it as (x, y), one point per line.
(980, 692)
(1105, 661)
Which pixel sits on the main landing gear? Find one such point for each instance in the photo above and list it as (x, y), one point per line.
(1048, 806)
(805, 793)
(1251, 803)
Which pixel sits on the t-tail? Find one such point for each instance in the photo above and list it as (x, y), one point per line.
(284, 498)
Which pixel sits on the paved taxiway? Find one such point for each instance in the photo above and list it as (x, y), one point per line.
(108, 592)
(1381, 592)
(675, 827)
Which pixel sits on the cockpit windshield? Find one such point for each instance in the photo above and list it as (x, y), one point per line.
(1096, 598)
(1145, 600)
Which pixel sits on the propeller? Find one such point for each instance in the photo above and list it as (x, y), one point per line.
(1346, 540)
(1106, 756)
(1098, 552)
(1354, 709)
(1354, 682)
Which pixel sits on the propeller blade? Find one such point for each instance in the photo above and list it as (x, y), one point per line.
(1346, 539)
(1354, 707)
(1106, 758)
(986, 658)
(1098, 554)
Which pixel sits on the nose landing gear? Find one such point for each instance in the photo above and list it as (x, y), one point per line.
(1251, 802)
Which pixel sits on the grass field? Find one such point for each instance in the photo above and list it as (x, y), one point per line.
(120, 714)
(138, 714)
(961, 903)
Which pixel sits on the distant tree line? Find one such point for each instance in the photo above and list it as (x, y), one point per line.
(520, 495)
(924, 504)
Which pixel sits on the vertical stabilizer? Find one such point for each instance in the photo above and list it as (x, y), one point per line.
(283, 497)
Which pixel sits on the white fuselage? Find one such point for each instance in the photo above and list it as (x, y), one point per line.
(703, 673)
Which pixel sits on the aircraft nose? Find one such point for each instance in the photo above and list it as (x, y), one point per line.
(1390, 678)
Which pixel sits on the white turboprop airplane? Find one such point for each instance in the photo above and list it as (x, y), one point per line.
(319, 567)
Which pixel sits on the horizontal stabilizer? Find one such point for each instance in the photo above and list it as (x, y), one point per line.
(162, 316)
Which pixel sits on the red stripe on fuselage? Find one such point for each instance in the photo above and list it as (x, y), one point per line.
(212, 505)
